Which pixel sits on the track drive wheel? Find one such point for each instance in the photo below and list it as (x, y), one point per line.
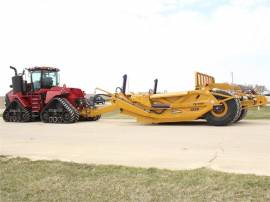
(226, 113)
(15, 112)
(59, 110)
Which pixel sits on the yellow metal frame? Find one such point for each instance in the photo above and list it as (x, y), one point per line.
(202, 80)
(176, 107)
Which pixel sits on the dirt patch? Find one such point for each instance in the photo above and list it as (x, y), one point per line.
(2, 102)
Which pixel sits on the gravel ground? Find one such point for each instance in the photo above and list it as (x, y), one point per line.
(241, 148)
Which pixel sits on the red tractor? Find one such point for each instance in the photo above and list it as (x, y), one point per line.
(38, 96)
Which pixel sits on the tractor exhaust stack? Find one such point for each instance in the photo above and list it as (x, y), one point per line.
(15, 70)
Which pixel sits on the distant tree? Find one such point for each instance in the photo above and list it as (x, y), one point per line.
(246, 87)
(257, 88)
(260, 88)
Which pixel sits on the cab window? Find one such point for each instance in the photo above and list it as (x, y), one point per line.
(36, 76)
(50, 79)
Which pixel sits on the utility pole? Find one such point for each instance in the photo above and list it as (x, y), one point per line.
(232, 77)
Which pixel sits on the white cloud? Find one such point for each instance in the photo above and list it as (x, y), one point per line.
(95, 42)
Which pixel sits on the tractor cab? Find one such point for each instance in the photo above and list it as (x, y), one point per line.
(36, 79)
(43, 77)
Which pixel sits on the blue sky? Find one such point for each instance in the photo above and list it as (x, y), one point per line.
(203, 7)
(95, 42)
(206, 7)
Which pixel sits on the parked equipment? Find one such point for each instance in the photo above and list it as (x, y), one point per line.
(41, 98)
(219, 104)
(99, 100)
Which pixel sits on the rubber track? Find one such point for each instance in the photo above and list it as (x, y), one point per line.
(74, 114)
(25, 117)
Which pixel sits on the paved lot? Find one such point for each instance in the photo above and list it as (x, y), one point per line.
(242, 148)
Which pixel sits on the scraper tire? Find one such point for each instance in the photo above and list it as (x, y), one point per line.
(242, 115)
(225, 114)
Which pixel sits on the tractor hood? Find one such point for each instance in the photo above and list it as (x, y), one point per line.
(71, 94)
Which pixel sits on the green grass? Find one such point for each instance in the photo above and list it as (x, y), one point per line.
(25, 180)
(263, 113)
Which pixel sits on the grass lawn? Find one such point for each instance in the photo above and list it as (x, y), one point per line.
(263, 113)
(25, 180)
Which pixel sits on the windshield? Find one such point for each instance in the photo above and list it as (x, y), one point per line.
(36, 79)
(50, 79)
(44, 79)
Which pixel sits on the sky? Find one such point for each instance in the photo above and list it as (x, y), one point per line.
(95, 42)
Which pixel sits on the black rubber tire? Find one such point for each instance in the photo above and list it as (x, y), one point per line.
(242, 115)
(239, 110)
(234, 111)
